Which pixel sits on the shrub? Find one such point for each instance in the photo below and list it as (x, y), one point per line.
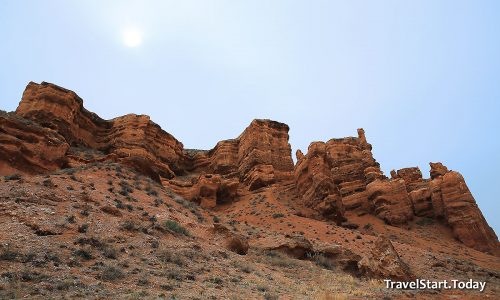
(278, 215)
(269, 296)
(151, 192)
(278, 259)
(143, 282)
(167, 256)
(83, 228)
(175, 274)
(119, 204)
(322, 261)
(368, 226)
(111, 273)
(48, 183)
(176, 227)
(32, 276)
(13, 177)
(183, 202)
(71, 219)
(157, 202)
(83, 254)
(425, 221)
(69, 171)
(244, 267)
(8, 254)
(129, 225)
(109, 252)
(216, 280)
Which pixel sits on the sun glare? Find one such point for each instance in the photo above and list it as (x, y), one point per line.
(132, 37)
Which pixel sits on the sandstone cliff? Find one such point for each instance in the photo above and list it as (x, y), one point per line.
(51, 130)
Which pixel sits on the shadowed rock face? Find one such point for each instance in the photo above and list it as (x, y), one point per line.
(51, 126)
(315, 184)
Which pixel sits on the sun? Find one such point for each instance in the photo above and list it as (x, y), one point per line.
(132, 37)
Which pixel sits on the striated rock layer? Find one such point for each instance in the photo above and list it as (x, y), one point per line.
(456, 204)
(27, 147)
(51, 130)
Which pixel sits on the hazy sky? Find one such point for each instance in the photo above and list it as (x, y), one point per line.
(422, 77)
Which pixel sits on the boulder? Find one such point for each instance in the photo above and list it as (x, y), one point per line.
(384, 262)
(295, 246)
(231, 241)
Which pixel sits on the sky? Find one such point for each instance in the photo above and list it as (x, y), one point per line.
(421, 77)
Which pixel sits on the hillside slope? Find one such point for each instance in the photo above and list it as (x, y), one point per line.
(118, 208)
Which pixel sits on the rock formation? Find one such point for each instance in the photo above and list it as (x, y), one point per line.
(28, 147)
(390, 201)
(51, 130)
(384, 262)
(129, 136)
(457, 205)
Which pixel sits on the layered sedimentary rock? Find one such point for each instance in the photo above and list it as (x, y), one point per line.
(258, 157)
(29, 148)
(455, 203)
(265, 142)
(208, 190)
(129, 136)
(223, 158)
(418, 189)
(334, 175)
(390, 201)
(51, 128)
(315, 184)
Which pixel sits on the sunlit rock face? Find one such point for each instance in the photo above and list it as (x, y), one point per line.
(28, 147)
(128, 136)
(455, 203)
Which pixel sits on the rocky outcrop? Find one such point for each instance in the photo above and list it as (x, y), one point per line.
(207, 190)
(390, 201)
(384, 262)
(29, 148)
(454, 202)
(295, 246)
(51, 129)
(129, 136)
(418, 189)
(258, 157)
(230, 240)
(333, 176)
(223, 158)
(259, 176)
(437, 169)
(315, 184)
(264, 154)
